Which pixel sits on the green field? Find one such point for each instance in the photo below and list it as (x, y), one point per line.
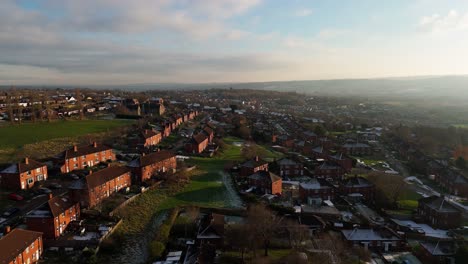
(15, 136)
(205, 189)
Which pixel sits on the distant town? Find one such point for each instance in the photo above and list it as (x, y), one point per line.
(227, 176)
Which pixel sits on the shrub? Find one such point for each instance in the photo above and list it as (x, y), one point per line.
(163, 232)
(157, 249)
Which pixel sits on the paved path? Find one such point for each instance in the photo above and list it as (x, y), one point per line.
(232, 197)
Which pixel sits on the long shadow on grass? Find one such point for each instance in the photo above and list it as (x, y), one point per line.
(206, 195)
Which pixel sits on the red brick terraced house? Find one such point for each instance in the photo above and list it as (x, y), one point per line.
(315, 191)
(81, 157)
(266, 182)
(329, 170)
(149, 165)
(20, 246)
(356, 149)
(382, 239)
(358, 186)
(23, 175)
(341, 159)
(439, 213)
(150, 137)
(290, 167)
(97, 186)
(209, 133)
(197, 144)
(53, 217)
(251, 166)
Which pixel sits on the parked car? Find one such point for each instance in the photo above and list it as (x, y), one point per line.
(11, 211)
(15, 197)
(55, 185)
(44, 190)
(73, 177)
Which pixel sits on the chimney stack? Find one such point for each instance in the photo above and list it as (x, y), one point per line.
(95, 144)
(7, 229)
(256, 158)
(146, 131)
(90, 172)
(26, 160)
(51, 196)
(75, 148)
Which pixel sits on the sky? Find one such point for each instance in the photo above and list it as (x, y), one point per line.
(93, 42)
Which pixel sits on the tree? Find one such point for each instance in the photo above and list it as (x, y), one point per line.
(298, 234)
(262, 224)
(461, 163)
(79, 103)
(388, 187)
(157, 249)
(320, 130)
(461, 255)
(238, 237)
(244, 132)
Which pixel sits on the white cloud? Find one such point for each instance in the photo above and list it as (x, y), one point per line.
(294, 42)
(437, 23)
(303, 12)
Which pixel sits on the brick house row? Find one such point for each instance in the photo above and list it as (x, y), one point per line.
(266, 182)
(23, 175)
(54, 216)
(251, 166)
(316, 189)
(150, 137)
(288, 167)
(81, 157)
(439, 213)
(197, 144)
(20, 246)
(329, 170)
(148, 165)
(97, 186)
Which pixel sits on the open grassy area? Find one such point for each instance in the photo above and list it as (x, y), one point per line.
(15, 136)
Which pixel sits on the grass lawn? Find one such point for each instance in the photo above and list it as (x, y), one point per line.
(273, 254)
(15, 136)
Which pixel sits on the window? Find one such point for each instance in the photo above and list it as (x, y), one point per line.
(30, 180)
(38, 170)
(74, 159)
(40, 177)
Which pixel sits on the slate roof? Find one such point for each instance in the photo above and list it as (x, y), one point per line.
(15, 242)
(151, 158)
(265, 175)
(21, 167)
(357, 182)
(85, 150)
(102, 176)
(148, 133)
(439, 204)
(254, 163)
(199, 138)
(369, 235)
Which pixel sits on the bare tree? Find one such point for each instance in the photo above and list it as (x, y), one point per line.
(79, 103)
(263, 224)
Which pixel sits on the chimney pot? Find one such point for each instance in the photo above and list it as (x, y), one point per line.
(26, 160)
(51, 196)
(95, 144)
(90, 172)
(256, 158)
(75, 148)
(7, 229)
